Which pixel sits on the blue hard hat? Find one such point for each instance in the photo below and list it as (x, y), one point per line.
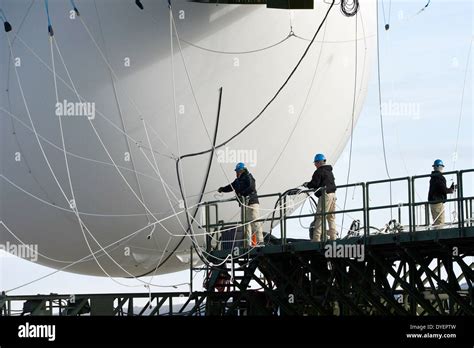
(240, 166)
(438, 163)
(319, 157)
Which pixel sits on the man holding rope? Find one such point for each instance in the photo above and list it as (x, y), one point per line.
(244, 187)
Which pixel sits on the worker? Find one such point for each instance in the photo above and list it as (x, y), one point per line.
(244, 187)
(438, 192)
(323, 177)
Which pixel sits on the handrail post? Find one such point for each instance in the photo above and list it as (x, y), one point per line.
(282, 217)
(427, 214)
(323, 210)
(364, 212)
(244, 221)
(283, 228)
(459, 201)
(411, 206)
(368, 208)
(206, 226)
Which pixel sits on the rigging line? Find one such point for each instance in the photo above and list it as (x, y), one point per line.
(161, 258)
(119, 108)
(311, 86)
(386, 20)
(28, 10)
(43, 255)
(94, 161)
(82, 99)
(98, 136)
(239, 225)
(179, 172)
(45, 157)
(189, 229)
(272, 211)
(120, 240)
(192, 89)
(63, 143)
(166, 193)
(191, 86)
(409, 18)
(19, 188)
(10, 104)
(423, 8)
(219, 103)
(120, 112)
(363, 38)
(237, 52)
(31, 121)
(400, 152)
(455, 155)
(178, 144)
(110, 157)
(173, 81)
(71, 211)
(389, 11)
(380, 108)
(132, 101)
(383, 11)
(103, 145)
(274, 97)
(352, 126)
(74, 203)
(178, 167)
(173, 27)
(216, 130)
(12, 116)
(288, 139)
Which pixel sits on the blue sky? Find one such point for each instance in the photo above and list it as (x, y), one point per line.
(423, 60)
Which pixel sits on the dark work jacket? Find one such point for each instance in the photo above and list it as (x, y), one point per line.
(244, 186)
(323, 176)
(438, 190)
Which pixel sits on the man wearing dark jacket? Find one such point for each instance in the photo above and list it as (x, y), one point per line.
(244, 187)
(438, 192)
(323, 177)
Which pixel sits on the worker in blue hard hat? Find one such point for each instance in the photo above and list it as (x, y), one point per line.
(438, 192)
(245, 187)
(323, 177)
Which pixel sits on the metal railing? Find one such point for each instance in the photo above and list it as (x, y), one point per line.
(121, 304)
(281, 213)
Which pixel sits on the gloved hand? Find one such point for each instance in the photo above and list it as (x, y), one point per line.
(220, 189)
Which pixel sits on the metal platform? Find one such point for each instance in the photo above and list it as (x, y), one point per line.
(411, 269)
(299, 279)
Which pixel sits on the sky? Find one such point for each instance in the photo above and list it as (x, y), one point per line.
(423, 60)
